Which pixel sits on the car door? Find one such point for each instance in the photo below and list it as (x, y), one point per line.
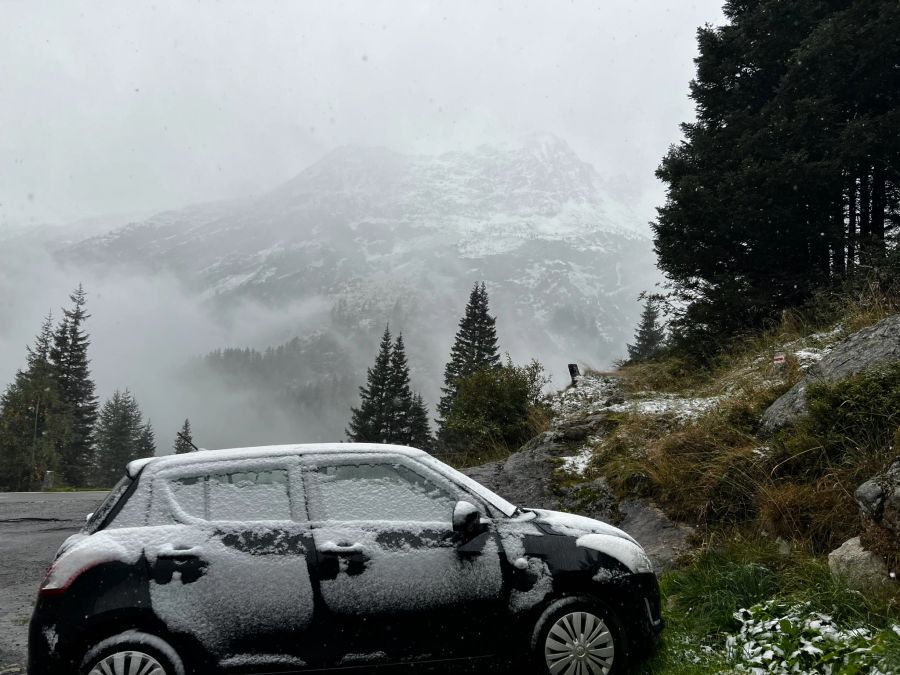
(395, 583)
(230, 568)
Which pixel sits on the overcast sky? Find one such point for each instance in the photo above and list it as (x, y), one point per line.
(124, 107)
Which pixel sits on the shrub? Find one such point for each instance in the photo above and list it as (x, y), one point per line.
(849, 420)
(496, 407)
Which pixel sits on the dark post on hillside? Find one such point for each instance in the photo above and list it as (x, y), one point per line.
(574, 373)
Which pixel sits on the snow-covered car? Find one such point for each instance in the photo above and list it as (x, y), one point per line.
(293, 558)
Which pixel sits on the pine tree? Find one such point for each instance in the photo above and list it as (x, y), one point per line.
(390, 412)
(146, 441)
(184, 441)
(784, 184)
(650, 335)
(474, 348)
(408, 414)
(32, 423)
(398, 401)
(71, 366)
(419, 427)
(118, 437)
(368, 422)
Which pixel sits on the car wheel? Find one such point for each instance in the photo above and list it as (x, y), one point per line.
(132, 653)
(578, 636)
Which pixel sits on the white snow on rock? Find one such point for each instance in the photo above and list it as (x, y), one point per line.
(578, 463)
(683, 408)
(590, 395)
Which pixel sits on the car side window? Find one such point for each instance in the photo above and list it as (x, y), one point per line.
(190, 494)
(379, 491)
(249, 496)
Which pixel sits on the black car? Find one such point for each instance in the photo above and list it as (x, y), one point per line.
(295, 558)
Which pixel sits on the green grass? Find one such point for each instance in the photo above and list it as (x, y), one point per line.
(739, 571)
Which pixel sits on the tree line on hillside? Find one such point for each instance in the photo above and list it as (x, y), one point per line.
(787, 184)
(51, 420)
(312, 374)
(485, 405)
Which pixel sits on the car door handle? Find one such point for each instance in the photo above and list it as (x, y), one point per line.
(169, 551)
(330, 548)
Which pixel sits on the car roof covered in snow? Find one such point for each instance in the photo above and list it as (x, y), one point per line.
(166, 461)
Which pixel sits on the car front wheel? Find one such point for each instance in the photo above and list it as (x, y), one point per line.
(579, 637)
(132, 653)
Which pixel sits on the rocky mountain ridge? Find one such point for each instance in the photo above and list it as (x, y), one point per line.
(367, 228)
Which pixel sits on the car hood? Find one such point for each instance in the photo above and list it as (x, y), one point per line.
(596, 535)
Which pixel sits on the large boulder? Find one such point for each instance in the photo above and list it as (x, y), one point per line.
(857, 567)
(664, 540)
(876, 345)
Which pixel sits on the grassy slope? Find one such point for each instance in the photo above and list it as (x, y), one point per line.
(768, 510)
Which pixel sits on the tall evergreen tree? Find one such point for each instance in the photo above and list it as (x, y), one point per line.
(788, 180)
(369, 422)
(408, 414)
(71, 366)
(419, 426)
(146, 441)
(474, 348)
(650, 335)
(32, 423)
(389, 411)
(399, 395)
(118, 437)
(184, 441)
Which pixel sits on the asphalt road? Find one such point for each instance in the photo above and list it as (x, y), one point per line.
(32, 526)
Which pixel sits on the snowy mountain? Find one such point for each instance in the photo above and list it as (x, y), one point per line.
(385, 236)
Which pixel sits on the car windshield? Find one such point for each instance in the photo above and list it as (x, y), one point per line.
(97, 517)
(508, 509)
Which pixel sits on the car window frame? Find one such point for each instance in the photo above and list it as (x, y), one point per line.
(298, 503)
(313, 494)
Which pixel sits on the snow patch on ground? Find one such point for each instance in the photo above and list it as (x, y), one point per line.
(683, 408)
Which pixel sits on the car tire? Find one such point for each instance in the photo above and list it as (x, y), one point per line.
(119, 654)
(579, 635)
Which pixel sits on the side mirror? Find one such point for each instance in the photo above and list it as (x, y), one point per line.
(89, 516)
(466, 520)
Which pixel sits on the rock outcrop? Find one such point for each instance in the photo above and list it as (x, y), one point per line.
(544, 474)
(876, 345)
(527, 478)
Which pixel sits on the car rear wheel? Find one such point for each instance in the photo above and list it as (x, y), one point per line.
(579, 637)
(132, 653)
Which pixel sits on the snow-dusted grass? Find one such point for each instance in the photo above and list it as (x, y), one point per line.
(745, 605)
(778, 638)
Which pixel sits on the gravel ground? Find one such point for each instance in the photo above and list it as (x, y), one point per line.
(32, 526)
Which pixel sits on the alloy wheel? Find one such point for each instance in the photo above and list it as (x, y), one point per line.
(579, 643)
(128, 663)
